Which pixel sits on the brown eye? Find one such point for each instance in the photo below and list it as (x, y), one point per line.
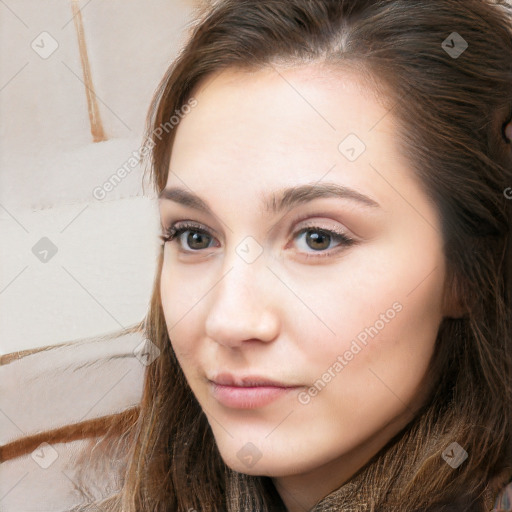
(322, 241)
(197, 237)
(318, 240)
(197, 240)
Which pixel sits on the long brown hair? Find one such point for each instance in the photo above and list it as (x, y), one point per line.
(451, 112)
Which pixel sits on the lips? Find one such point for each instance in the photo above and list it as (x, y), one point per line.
(247, 392)
(226, 379)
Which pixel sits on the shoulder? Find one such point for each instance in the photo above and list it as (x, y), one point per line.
(56, 407)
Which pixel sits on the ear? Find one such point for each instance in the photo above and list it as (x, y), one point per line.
(508, 132)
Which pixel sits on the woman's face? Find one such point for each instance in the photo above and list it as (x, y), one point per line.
(309, 287)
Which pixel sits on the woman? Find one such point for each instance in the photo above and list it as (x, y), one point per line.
(332, 304)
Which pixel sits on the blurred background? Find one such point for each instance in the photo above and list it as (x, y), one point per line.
(77, 255)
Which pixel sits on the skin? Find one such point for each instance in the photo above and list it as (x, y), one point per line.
(287, 317)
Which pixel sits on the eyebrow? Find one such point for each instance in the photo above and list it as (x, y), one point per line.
(277, 201)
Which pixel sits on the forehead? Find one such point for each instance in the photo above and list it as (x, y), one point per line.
(274, 100)
(280, 126)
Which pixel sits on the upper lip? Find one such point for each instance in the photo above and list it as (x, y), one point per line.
(226, 379)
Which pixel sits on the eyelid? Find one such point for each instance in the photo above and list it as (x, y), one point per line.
(318, 224)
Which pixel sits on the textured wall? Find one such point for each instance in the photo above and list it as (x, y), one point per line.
(73, 264)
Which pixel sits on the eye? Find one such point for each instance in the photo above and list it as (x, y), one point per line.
(321, 241)
(195, 239)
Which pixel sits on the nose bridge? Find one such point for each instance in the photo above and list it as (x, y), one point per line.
(244, 271)
(241, 306)
(237, 283)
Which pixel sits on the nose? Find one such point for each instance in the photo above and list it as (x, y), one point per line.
(243, 305)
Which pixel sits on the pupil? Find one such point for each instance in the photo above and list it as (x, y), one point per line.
(317, 237)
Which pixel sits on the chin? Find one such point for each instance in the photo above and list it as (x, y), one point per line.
(273, 467)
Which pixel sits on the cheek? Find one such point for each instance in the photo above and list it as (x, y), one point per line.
(182, 288)
(385, 324)
(371, 386)
(178, 302)
(375, 286)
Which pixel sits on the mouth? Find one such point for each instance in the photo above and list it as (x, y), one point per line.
(248, 392)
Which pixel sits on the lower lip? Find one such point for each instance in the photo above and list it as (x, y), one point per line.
(248, 397)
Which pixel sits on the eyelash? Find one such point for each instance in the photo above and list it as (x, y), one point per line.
(174, 231)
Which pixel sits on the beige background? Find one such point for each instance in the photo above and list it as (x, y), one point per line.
(101, 275)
